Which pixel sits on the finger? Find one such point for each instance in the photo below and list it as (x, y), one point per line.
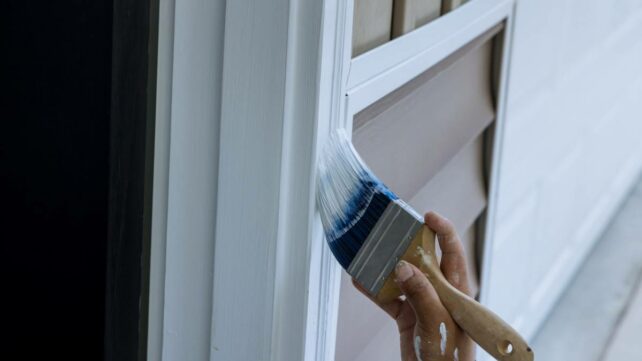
(446, 234)
(453, 260)
(420, 294)
(397, 309)
(433, 321)
(392, 308)
(439, 339)
(465, 347)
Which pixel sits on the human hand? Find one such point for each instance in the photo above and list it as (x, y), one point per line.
(426, 329)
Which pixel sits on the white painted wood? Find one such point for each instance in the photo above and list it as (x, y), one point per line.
(274, 294)
(194, 141)
(384, 69)
(185, 178)
(271, 268)
(325, 272)
(303, 304)
(252, 117)
(160, 180)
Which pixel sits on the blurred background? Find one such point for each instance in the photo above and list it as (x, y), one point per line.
(570, 206)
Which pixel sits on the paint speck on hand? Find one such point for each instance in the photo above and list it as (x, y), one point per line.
(418, 348)
(424, 256)
(456, 354)
(443, 333)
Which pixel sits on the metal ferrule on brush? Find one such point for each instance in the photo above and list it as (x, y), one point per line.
(385, 245)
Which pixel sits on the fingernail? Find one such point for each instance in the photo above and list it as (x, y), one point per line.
(403, 271)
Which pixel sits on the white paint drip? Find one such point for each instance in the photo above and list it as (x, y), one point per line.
(456, 354)
(443, 333)
(418, 348)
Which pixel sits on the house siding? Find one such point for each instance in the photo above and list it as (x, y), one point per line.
(571, 146)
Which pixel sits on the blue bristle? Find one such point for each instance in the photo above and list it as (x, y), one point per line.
(346, 246)
(351, 199)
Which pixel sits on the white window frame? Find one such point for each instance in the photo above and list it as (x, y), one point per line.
(258, 282)
(376, 73)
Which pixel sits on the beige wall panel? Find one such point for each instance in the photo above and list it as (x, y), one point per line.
(458, 191)
(409, 136)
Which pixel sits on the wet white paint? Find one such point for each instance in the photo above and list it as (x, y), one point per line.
(443, 333)
(418, 348)
(424, 256)
(456, 354)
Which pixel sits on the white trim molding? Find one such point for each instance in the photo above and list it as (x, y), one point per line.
(185, 178)
(240, 266)
(386, 68)
(269, 291)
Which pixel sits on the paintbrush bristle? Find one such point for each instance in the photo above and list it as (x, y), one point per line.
(350, 197)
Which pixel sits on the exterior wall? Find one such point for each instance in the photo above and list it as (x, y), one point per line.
(571, 145)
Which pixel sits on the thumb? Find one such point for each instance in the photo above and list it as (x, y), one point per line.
(418, 291)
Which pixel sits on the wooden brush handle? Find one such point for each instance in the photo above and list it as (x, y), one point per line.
(489, 331)
(482, 325)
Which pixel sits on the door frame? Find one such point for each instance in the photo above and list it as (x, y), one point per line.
(131, 160)
(262, 283)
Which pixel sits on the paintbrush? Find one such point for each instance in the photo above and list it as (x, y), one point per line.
(369, 230)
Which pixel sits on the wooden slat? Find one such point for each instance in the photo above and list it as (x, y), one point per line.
(450, 5)
(411, 14)
(372, 24)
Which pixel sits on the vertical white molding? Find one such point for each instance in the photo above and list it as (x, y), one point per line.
(193, 166)
(252, 125)
(161, 178)
(284, 79)
(496, 157)
(297, 237)
(325, 272)
(260, 291)
(496, 162)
